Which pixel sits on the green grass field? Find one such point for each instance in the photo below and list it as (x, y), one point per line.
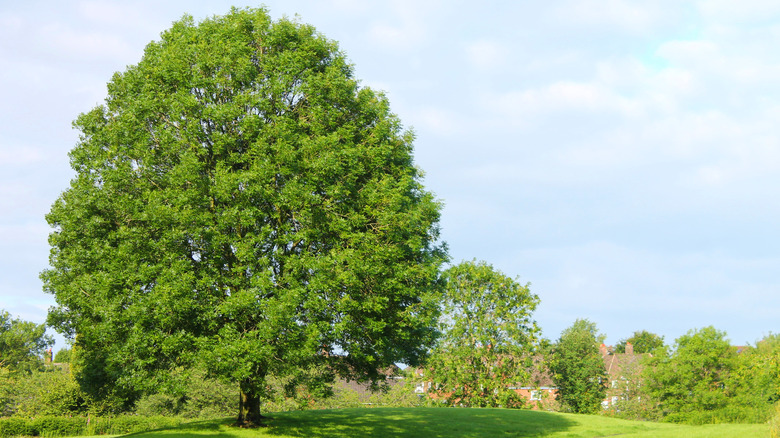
(450, 422)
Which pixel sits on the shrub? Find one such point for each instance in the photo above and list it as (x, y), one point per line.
(7, 392)
(159, 404)
(50, 393)
(774, 423)
(14, 427)
(199, 397)
(62, 356)
(50, 426)
(125, 424)
(347, 396)
(57, 426)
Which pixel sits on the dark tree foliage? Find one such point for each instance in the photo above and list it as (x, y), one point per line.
(578, 367)
(241, 201)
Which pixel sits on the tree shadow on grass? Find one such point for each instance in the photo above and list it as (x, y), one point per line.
(416, 422)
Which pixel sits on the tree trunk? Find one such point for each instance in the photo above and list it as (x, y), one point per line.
(249, 405)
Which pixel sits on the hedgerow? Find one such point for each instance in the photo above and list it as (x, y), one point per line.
(50, 426)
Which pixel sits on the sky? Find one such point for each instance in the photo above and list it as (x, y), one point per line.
(622, 157)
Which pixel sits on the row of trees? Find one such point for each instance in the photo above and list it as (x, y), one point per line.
(702, 379)
(488, 345)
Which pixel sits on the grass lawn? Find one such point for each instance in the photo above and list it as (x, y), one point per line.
(450, 422)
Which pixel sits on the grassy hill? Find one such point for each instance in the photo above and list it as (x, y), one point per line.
(451, 422)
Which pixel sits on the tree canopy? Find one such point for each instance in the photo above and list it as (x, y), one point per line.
(22, 344)
(241, 201)
(643, 342)
(578, 367)
(691, 378)
(487, 337)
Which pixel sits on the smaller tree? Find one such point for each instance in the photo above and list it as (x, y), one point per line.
(62, 356)
(690, 381)
(754, 381)
(578, 368)
(51, 392)
(643, 342)
(22, 343)
(487, 337)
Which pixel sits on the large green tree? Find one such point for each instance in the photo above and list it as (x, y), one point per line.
(578, 367)
(22, 344)
(487, 339)
(242, 201)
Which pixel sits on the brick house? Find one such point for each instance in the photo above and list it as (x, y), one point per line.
(540, 391)
(623, 370)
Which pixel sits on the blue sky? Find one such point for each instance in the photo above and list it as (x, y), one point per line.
(621, 156)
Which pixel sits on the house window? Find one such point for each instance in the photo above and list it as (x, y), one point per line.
(614, 383)
(536, 395)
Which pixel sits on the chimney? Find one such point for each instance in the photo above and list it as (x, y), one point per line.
(603, 349)
(629, 348)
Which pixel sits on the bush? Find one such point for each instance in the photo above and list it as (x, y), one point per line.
(159, 404)
(49, 426)
(200, 397)
(42, 426)
(125, 424)
(774, 423)
(62, 356)
(7, 392)
(51, 392)
(399, 395)
(345, 395)
(57, 426)
(14, 427)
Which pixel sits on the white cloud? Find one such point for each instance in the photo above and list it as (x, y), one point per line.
(516, 107)
(486, 55)
(28, 235)
(400, 37)
(110, 13)
(350, 6)
(64, 42)
(674, 83)
(406, 26)
(440, 121)
(632, 17)
(11, 23)
(16, 156)
(743, 12)
(606, 281)
(708, 110)
(696, 53)
(42, 43)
